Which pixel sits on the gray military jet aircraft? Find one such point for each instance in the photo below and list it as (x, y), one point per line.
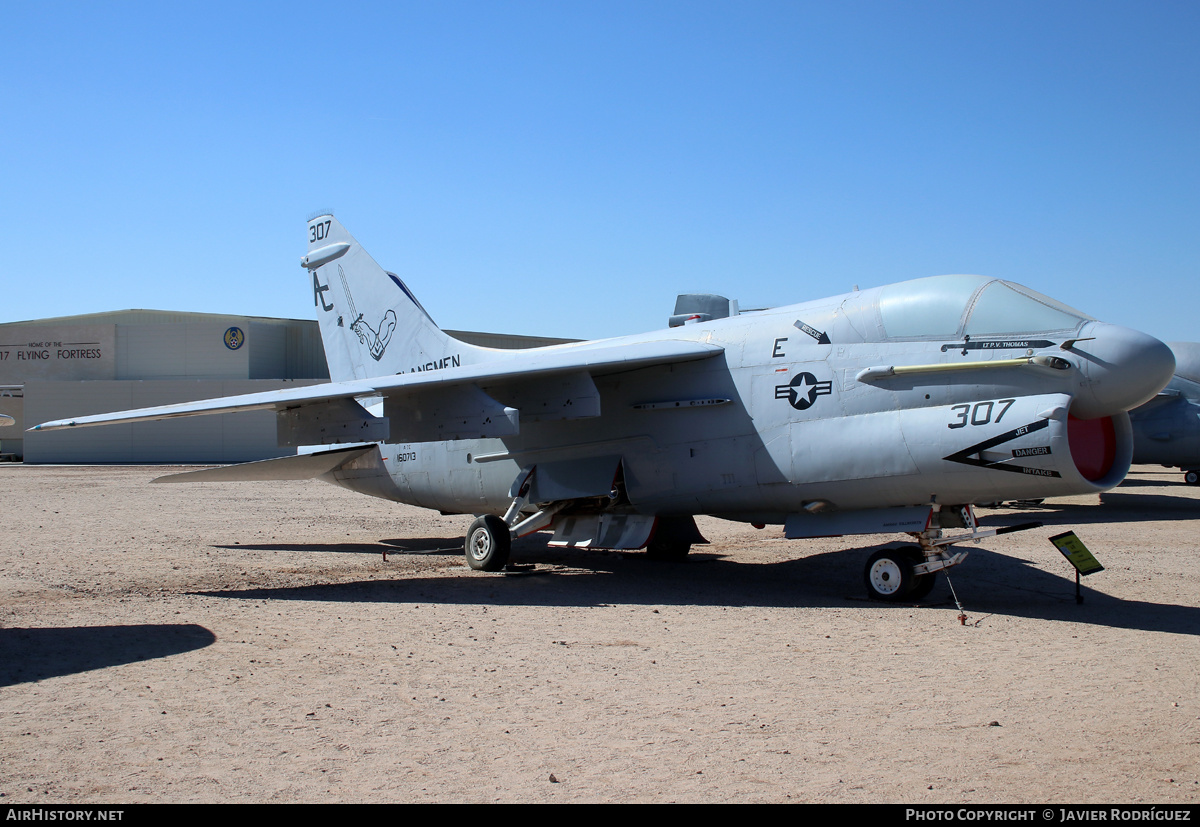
(888, 410)
(1166, 430)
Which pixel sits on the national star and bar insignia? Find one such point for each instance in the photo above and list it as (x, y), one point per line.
(803, 390)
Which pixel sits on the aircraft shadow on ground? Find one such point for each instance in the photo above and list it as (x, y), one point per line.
(28, 655)
(1114, 507)
(989, 583)
(418, 545)
(1136, 479)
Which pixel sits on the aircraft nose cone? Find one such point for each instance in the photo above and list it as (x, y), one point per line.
(1122, 368)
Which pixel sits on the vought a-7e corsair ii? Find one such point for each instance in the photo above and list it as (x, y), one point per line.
(888, 410)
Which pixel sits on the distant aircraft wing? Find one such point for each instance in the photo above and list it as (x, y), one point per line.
(1163, 397)
(594, 359)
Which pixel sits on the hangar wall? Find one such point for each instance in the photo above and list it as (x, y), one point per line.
(12, 403)
(102, 362)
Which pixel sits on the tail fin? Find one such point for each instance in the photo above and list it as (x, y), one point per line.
(371, 323)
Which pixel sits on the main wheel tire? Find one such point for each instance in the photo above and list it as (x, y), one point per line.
(672, 538)
(889, 575)
(666, 549)
(1191, 477)
(488, 544)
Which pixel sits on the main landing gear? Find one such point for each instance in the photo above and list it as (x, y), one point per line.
(1191, 477)
(489, 539)
(909, 573)
(488, 544)
(603, 520)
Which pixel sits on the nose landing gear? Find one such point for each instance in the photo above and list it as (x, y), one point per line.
(909, 573)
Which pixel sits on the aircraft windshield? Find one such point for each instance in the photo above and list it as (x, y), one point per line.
(1004, 307)
(948, 306)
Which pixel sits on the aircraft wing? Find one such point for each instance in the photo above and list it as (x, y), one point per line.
(1163, 397)
(448, 383)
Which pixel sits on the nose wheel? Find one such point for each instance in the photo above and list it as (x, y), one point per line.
(891, 576)
(922, 583)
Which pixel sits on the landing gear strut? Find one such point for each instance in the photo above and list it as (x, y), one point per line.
(909, 573)
(922, 583)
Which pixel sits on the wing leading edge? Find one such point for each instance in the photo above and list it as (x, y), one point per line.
(541, 363)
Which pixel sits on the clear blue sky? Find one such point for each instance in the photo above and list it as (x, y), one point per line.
(565, 168)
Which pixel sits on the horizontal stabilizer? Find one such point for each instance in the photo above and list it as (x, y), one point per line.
(299, 467)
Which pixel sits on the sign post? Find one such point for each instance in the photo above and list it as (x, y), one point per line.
(1078, 556)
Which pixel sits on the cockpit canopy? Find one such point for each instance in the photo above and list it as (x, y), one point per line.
(953, 306)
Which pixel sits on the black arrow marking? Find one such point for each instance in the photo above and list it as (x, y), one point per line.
(822, 338)
(970, 456)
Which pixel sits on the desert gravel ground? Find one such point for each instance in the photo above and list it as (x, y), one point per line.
(250, 643)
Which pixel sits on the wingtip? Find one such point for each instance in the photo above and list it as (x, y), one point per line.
(51, 426)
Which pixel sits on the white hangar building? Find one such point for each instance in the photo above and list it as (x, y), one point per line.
(101, 362)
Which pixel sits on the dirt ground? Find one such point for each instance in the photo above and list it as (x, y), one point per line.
(250, 643)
